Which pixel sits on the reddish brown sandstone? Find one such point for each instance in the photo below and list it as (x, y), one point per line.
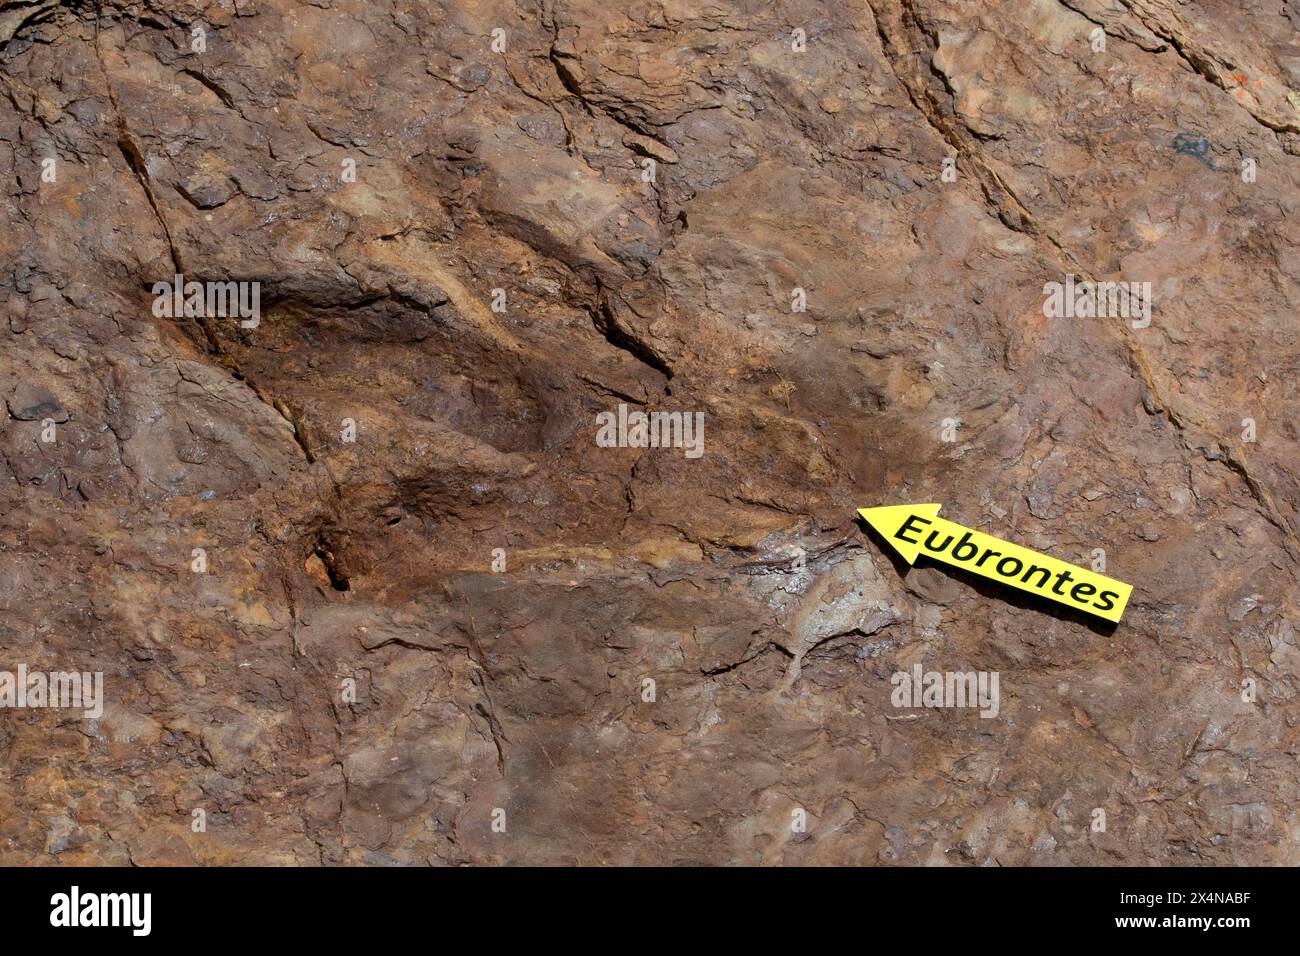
(527, 171)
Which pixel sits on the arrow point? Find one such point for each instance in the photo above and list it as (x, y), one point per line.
(887, 519)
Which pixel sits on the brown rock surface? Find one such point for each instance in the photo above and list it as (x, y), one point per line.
(738, 581)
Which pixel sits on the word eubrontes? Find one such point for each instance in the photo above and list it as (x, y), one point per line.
(914, 530)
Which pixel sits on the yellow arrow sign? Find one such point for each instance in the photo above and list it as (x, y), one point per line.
(913, 530)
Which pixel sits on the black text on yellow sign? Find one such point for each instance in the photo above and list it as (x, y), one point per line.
(914, 530)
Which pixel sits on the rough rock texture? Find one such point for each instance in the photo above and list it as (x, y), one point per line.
(739, 581)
